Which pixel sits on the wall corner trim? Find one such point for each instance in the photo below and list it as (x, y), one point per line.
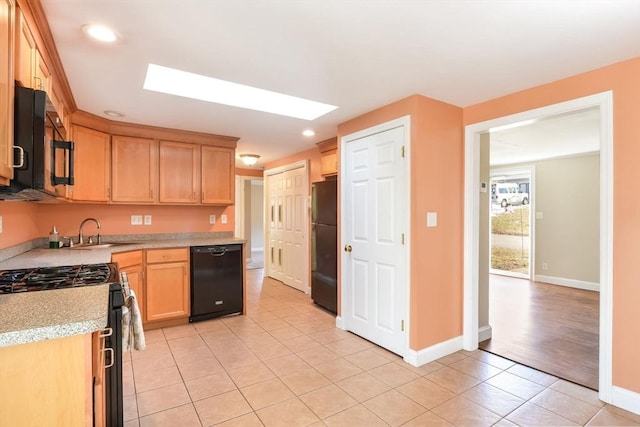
(625, 399)
(436, 351)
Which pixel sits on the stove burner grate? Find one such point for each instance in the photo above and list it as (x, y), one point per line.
(46, 278)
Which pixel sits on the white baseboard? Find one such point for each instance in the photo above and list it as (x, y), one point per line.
(484, 333)
(429, 354)
(625, 399)
(340, 323)
(570, 283)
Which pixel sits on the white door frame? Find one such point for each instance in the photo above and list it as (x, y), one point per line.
(404, 121)
(604, 101)
(274, 171)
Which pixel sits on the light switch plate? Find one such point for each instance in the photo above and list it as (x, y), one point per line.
(136, 219)
(223, 218)
(212, 219)
(147, 220)
(432, 219)
(539, 215)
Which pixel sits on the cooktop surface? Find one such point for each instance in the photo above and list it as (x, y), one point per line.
(47, 278)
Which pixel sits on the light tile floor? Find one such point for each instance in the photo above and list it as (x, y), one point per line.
(286, 364)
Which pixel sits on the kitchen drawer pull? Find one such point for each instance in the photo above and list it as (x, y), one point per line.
(106, 332)
(112, 358)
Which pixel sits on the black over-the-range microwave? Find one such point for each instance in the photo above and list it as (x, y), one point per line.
(42, 156)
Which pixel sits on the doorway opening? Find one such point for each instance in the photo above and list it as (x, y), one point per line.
(476, 283)
(250, 218)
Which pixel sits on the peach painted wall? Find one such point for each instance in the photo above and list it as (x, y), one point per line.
(623, 79)
(24, 221)
(19, 223)
(436, 154)
(249, 172)
(312, 155)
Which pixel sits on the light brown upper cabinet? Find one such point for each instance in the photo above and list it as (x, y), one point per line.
(179, 173)
(92, 165)
(7, 31)
(25, 53)
(329, 156)
(134, 169)
(218, 175)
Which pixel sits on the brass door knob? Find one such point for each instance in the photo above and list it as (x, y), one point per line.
(348, 248)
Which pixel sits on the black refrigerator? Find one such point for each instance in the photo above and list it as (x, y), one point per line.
(324, 244)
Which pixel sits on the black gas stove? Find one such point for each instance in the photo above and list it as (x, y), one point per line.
(47, 278)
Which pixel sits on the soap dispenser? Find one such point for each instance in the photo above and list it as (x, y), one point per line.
(54, 239)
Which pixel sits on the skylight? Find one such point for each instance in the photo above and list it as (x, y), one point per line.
(196, 86)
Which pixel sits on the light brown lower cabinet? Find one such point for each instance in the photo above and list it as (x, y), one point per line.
(167, 284)
(131, 262)
(47, 383)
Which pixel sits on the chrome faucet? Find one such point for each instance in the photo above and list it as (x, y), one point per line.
(80, 236)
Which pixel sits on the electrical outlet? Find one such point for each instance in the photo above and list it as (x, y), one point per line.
(223, 218)
(545, 266)
(147, 220)
(0, 224)
(212, 219)
(136, 219)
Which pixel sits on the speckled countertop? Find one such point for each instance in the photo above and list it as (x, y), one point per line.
(45, 257)
(34, 316)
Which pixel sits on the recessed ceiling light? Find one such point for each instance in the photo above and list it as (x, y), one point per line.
(308, 132)
(99, 32)
(196, 86)
(112, 113)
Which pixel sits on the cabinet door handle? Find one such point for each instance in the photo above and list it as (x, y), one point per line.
(21, 162)
(112, 359)
(271, 254)
(280, 257)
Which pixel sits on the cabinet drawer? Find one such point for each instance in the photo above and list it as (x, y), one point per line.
(127, 259)
(167, 255)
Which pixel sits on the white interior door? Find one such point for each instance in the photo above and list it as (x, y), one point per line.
(374, 268)
(288, 227)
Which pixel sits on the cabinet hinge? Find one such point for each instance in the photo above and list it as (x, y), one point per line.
(402, 325)
(403, 151)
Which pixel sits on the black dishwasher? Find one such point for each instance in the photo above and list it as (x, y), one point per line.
(216, 281)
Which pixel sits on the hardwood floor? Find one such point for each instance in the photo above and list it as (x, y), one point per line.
(551, 328)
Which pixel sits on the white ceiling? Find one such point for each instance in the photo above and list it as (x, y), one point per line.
(356, 54)
(575, 132)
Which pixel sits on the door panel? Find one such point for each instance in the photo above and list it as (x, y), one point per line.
(288, 228)
(375, 264)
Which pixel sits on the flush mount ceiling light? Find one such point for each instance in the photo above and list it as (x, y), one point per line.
(196, 86)
(112, 113)
(308, 132)
(249, 159)
(99, 32)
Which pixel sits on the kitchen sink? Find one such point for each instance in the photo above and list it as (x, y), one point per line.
(101, 245)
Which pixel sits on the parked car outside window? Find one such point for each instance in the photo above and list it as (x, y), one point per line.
(508, 194)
